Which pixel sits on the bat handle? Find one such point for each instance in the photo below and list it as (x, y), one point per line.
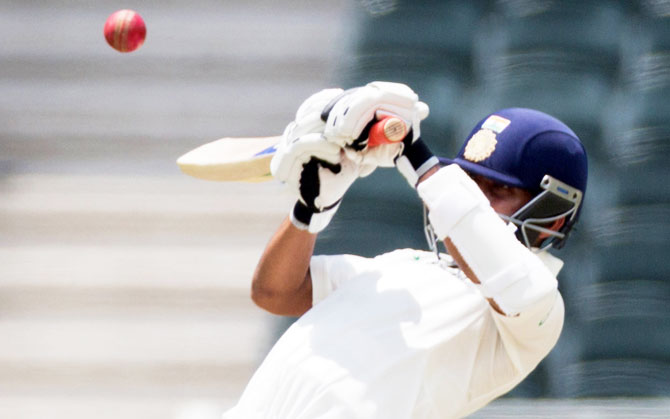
(389, 129)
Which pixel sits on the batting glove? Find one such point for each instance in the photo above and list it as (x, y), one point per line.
(412, 157)
(314, 167)
(350, 115)
(320, 173)
(322, 187)
(302, 139)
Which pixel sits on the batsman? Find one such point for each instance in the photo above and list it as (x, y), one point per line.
(415, 333)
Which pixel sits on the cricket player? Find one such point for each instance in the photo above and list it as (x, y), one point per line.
(413, 333)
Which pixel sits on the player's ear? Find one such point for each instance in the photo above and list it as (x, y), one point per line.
(555, 226)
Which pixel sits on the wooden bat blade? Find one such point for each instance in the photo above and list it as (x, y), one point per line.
(231, 160)
(239, 159)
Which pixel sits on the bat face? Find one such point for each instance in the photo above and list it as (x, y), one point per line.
(231, 159)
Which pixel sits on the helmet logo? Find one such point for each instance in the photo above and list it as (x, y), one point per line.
(480, 146)
(483, 142)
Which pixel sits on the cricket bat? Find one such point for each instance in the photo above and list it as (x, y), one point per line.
(247, 159)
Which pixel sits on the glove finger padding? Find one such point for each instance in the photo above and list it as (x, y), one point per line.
(380, 156)
(313, 106)
(352, 112)
(292, 153)
(302, 139)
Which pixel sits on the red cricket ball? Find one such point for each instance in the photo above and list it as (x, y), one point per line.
(125, 30)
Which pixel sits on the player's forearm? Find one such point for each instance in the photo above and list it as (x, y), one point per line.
(483, 245)
(453, 251)
(281, 282)
(510, 274)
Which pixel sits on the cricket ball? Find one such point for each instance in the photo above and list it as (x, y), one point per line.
(125, 30)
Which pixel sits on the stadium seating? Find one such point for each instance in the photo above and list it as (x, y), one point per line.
(620, 314)
(616, 377)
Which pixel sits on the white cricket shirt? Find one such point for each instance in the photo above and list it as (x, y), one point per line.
(398, 336)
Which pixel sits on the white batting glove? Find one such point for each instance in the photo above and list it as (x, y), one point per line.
(293, 153)
(411, 157)
(322, 187)
(380, 156)
(308, 117)
(348, 116)
(319, 173)
(313, 166)
(302, 139)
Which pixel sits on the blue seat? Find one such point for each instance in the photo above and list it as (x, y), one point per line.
(573, 35)
(641, 165)
(624, 319)
(632, 242)
(576, 99)
(426, 37)
(614, 377)
(639, 134)
(650, 30)
(559, 57)
(427, 45)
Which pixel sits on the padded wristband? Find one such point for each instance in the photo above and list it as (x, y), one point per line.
(415, 160)
(301, 215)
(306, 218)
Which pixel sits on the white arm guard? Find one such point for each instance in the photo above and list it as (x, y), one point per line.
(509, 272)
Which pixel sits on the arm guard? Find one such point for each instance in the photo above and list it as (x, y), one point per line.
(509, 272)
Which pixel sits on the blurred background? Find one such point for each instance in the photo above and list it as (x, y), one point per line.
(124, 284)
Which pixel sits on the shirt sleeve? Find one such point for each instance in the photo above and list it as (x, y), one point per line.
(330, 272)
(529, 337)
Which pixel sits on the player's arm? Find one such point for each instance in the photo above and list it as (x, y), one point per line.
(509, 274)
(281, 283)
(453, 251)
(319, 173)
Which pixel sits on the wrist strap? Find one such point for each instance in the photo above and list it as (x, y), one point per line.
(301, 215)
(306, 218)
(416, 159)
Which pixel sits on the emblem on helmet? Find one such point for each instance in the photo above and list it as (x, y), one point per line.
(480, 146)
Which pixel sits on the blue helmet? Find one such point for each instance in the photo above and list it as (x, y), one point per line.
(529, 149)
